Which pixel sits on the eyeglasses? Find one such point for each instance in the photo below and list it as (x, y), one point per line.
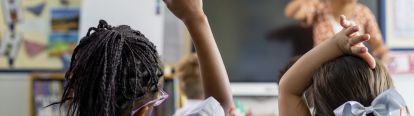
(162, 97)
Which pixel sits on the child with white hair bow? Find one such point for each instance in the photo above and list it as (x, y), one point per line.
(339, 77)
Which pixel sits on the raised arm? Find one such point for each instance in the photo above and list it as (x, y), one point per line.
(215, 80)
(299, 77)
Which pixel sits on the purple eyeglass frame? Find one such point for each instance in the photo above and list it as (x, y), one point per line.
(156, 102)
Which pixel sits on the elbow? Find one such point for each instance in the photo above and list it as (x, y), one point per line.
(227, 107)
(285, 88)
(282, 86)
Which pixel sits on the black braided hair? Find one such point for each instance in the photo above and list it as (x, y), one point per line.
(110, 68)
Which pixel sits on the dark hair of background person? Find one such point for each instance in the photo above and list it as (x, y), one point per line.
(110, 69)
(344, 79)
(188, 74)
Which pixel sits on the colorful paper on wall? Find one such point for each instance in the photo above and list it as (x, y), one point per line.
(401, 62)
(45, 33)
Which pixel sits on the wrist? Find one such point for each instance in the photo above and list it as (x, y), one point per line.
(334, 47)
(195, 19)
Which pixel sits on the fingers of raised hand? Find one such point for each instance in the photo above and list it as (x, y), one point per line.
(352, 31)
(358, 39)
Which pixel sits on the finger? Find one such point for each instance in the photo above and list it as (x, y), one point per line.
(359, 49)
(362, 52)
(349, 31)
(359, 39)
(344, 23)
(354, 35)
(368, 59)
(352, 23)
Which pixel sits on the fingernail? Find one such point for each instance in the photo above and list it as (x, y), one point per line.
(365, 38)
(363, 50)
(355, 28)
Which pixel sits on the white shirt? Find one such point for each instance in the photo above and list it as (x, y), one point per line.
(336, 27)
(208, 107)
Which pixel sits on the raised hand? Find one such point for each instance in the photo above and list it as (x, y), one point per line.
(349, 41)
(213, 72)
(186, 10)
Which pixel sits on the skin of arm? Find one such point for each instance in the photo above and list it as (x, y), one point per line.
(294, 8)
(293, 84)
(301, 10)
(213, 72)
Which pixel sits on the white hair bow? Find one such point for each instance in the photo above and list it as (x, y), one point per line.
(388, 103)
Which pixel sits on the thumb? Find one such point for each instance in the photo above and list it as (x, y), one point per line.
(344, 23)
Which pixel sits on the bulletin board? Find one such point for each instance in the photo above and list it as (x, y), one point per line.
(38, 34)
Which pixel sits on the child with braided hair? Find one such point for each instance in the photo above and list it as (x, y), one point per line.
(117, 71)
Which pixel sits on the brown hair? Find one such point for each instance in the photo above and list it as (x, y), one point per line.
(188, 73)
(346, 78)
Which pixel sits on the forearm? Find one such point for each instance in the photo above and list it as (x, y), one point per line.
(296, 83)
(215, 80)
(299, 77)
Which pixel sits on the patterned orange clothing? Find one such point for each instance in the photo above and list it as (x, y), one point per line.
(321, 20)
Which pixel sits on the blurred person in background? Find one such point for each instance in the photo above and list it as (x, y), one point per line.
(116, 71)
(324, 16)
(190, 83)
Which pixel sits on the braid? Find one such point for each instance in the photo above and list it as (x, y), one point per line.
(110, 68)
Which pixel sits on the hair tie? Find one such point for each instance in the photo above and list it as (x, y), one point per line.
(388, 103)
(89, 31)
(104, 24)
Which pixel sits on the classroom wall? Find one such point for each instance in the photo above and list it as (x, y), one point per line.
(405, 84)
(14, 94)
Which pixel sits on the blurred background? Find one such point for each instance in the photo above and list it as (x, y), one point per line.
(255, 37)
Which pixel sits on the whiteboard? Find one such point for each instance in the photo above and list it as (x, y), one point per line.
(146, 16)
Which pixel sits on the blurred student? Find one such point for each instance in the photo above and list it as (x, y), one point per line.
(323, 15)
(116, 71)
(190, 83)
(342, 79)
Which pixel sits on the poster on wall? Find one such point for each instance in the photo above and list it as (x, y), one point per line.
(401, 62)
(38, 34)
(399, 26)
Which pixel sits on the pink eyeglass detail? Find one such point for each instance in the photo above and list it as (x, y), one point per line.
(156, 102)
